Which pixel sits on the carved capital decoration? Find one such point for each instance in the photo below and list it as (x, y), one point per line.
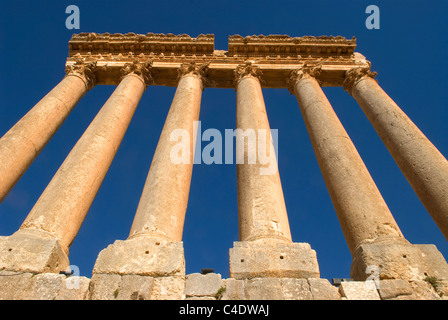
(192, 68)
(246, 70)
(305, 71)
(141, 69)
(352, 76)
(83, 70)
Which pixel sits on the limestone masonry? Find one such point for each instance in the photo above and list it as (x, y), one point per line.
(264, 263)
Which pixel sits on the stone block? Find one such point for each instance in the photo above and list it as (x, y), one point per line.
(13, 283)
(197, 284)
(322, 289)
(270, 258)
(295, 289)
(359, 290)
(264, 289)
(390, 289)
(104, 286)
(44, 286)
(142, 256)
(74, 288)
(32, 251)
(397, 260)
(168, 288)
(234, 289)
(134, 287)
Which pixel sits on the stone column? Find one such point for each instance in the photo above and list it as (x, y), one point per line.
(26, 139)
(163, 204)
(425, 168)
(62, 207)
(373, 237)
(362, 212)
(154, 248)
(265, 248)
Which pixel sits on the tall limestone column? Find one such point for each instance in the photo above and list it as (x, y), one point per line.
(373, 236)
(55, 219)
(265, 248)
(26, 139)
(154, 247)
(425, 168)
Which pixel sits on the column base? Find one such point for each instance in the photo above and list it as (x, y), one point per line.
(32, 251)
(272, 259)
(395, 260)
(139, 268)
(142, 256)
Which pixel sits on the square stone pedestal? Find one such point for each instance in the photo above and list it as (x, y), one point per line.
(274, 259)
(139, 269)
(398, 261)
(32, 251)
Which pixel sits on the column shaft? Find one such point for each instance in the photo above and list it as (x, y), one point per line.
(261, 205)
(362, 212)
(26, 139)
(163, 204)
(65, 202)
(422, 164)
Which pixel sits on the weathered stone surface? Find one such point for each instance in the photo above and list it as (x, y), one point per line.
(322, 289)
(142, 256)
(389, 289)
(74, 288)
(117, 287)
(398, 261)
(104, 286)
(234, 289)
(134, 287)
(168, 288)
(12, 283)
(32, 251)
(197, 284)
(43, 286)
(270, 258)
(359, 290)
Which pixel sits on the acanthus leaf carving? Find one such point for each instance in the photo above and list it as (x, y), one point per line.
(304, 72)
(353, 75)
(248, 69)
(141, 69)
(84, 70)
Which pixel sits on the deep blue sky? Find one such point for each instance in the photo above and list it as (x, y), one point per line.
(409, 53)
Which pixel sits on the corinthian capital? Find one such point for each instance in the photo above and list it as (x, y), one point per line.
(84, 70)
(141, 69)
(197, 69)
(305, 71)
(353, 75)
(247, 70)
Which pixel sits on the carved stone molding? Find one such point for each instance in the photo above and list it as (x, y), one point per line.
(84, 70)
(304, 72)
(248, 69)
(353, 75)
(197, 69)
(141, 69)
